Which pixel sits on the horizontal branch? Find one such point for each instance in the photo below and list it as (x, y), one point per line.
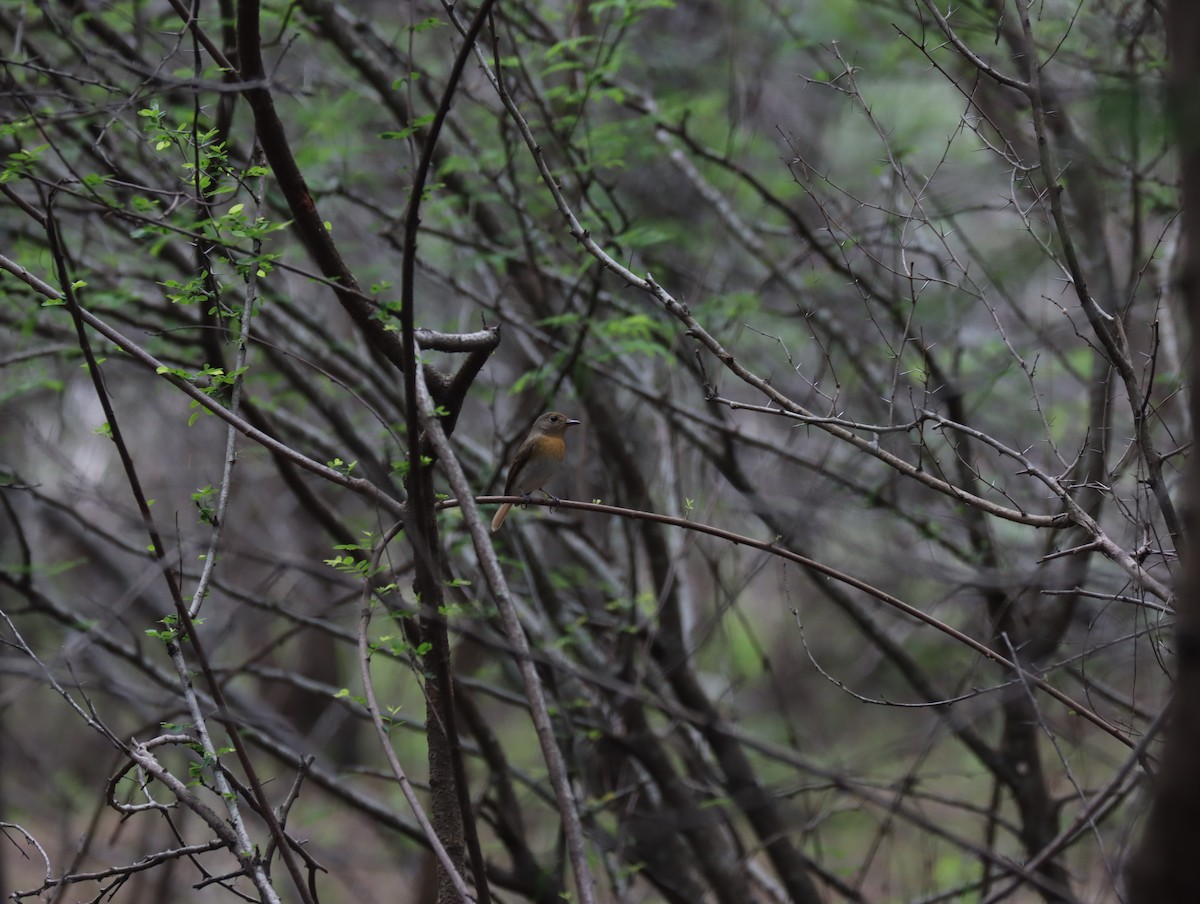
(828, 571)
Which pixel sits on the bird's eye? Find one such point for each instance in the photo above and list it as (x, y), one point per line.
(555, 418)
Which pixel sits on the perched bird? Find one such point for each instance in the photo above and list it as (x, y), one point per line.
(537, 460)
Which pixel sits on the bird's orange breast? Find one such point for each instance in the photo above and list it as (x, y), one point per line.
(551, 447)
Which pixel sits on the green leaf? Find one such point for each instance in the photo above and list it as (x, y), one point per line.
(419, 123)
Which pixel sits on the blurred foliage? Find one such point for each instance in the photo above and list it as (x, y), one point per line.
(907, 383)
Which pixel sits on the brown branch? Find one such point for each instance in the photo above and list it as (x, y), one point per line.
(769, 546)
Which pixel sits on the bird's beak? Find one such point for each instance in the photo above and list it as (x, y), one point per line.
(571, 422)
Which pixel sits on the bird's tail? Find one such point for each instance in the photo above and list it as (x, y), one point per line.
(501, 514)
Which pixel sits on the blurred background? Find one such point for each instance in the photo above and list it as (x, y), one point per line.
(915, 327)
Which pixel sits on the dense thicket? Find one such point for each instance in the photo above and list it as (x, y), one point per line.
(861, 586)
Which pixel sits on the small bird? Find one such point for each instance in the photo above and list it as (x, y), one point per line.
(537, 460)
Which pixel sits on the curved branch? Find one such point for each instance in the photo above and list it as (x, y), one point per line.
(829, 571)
